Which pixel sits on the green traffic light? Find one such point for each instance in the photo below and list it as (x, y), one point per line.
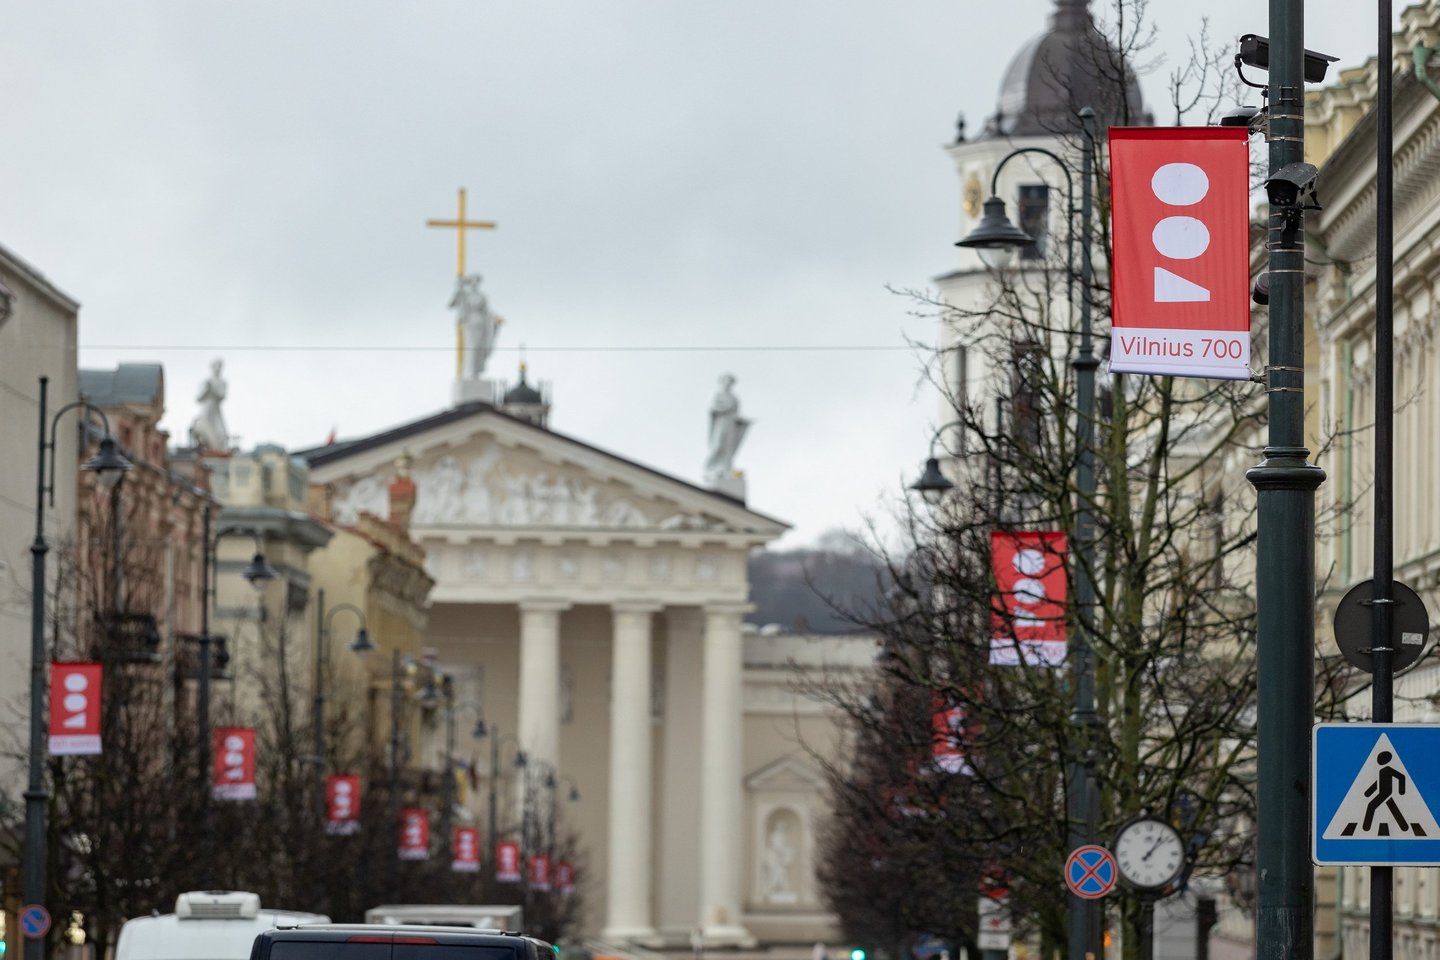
(857, 954)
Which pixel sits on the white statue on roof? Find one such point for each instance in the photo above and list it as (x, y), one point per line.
(727, 430)
(478, 326)
(207, 430)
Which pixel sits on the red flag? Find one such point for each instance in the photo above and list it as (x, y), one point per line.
(234, 763)
(465, 850)
(539, 872)
(74, 709)
(1180, 202)
(565, 877)
(1028, 618)
(507, 862)
(342, 804)
(948, 738)
(414, 834)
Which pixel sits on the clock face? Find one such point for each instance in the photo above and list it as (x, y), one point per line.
(1149, 853)
(972, 197)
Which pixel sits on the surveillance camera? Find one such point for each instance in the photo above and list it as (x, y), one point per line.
(1260, 293)
(1289, 182)
(1242, 116)
(1255, 52)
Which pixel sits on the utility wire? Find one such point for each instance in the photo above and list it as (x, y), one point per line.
(306, 348)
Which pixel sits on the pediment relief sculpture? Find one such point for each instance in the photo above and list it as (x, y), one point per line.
(481, 490)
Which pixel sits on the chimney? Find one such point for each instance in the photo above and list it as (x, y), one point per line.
(402, 494)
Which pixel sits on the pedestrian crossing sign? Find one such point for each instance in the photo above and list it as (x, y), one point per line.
(1375, 790)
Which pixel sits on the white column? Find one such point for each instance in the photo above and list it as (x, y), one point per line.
(722, 846)
(540, 679)
(628, 915)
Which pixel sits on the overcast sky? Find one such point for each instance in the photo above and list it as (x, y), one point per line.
(719, 179)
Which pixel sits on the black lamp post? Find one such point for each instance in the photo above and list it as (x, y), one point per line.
(996, 233)
(482, 729)
(109, 468)
(322, 660)
(258, 573)
(452, 710)
(933, 485)
(1285, 483)
(552, 782)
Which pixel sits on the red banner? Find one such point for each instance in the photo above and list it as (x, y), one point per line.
(539, 872)
(234, 751)
(1028, 618)
(507, 862)
(414, 834)
(1180, 201)
(465, 850)
(342, 804)
(74, 709)
(947, 746)
(565, 877)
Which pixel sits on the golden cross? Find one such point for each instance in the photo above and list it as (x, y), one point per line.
(460, 225)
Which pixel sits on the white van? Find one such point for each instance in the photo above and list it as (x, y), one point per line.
(206, 925)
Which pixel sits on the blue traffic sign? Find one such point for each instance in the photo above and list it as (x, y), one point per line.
(34, 921)
(1090, 872)
(1376, 791)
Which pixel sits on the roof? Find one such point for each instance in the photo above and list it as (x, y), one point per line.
(332, 452)
(1069, 66)
(378, 931)
(127, 383)
(14, 262)
(168, 937)
(522, 392)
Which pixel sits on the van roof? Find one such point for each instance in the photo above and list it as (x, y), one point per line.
(168, 937)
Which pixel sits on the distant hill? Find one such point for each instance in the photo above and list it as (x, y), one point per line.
(801, 589)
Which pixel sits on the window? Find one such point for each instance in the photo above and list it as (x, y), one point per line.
(1034, 209)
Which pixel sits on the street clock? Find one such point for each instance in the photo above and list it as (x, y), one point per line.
(1149, 853)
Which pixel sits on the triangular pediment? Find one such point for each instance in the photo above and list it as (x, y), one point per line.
(475, 467)
(787, 774)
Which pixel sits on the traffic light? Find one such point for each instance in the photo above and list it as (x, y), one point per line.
(857, 954)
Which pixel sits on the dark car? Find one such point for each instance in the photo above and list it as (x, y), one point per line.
(363, 941)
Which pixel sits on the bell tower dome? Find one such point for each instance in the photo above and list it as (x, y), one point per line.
(1069, 66)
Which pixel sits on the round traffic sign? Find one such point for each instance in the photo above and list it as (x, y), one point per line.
(1354, 630)
(1090, 872)
(34, 921)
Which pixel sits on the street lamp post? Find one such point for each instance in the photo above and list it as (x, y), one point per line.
(257, 573)
(997, 233)
(553, 783)
(109, 467)
(322, 660)
(452, 710)
(521, 760)
(1285, 483)
(933, 484)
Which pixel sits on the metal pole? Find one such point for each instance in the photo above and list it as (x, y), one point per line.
(494, 792)
(447, 787)
(1084, 914)
(394, 798)
(202, 706)
(1382, 917)
(117, 539)
(554, 811)
(322, 641)
(1147, 928)
(1285, 483)
(37, 798)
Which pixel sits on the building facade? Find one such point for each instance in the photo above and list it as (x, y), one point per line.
(38, 331)
(591, 611)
